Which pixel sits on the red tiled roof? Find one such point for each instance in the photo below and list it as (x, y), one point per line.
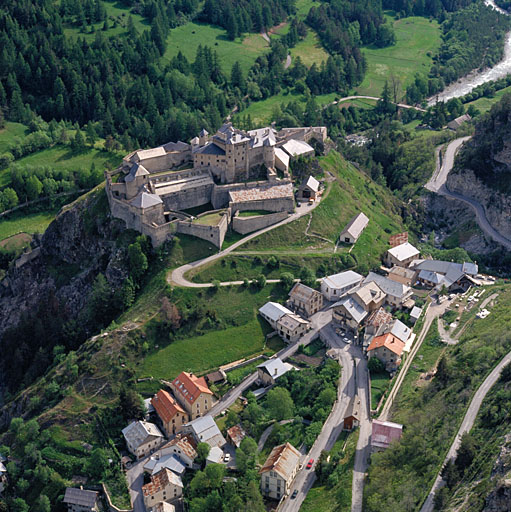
(282, 459)
(160, 481)
(389, 341)
(186, 443)
(384, 432)
(379, 317)
(190, 386)
(165, 405)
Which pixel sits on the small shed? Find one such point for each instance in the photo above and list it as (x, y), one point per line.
(353, 230)
(415, 314)
(352, 414)
(456, 124)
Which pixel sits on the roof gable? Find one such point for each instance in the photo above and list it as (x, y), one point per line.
(190, 387)
(165, 405)
(283, 459)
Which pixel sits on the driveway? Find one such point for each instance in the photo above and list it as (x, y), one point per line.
(135, 477)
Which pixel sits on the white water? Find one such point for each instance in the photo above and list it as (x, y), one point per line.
(467, 83)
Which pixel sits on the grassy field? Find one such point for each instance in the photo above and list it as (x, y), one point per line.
(20, 222)
(484, 104)
(186, 38)
(208, 220)
(417, 40)
(310, 50)
(379, 384)
(336, 497)
(16, 242)
(9, 134)
(262, 112)
(116, 13)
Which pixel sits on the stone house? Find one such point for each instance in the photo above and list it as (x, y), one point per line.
(401, 255)
(292, 327)
(279, 471)
(236, 434)
(398, 295)
(272, 312)
(142, 438)
(388, 349)
(183, 446)
(456, 124)
(171, 414)
(348, 314)
(165, 486)
(156, 464)
(81, 500)
(403, 275)
(335, 286)
(308, 189)
(205, 430)
(193, 394)
(354, 229)
(304, 300)
(270, 371)
(370, 296)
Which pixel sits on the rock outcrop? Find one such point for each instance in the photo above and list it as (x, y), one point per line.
(499, 499)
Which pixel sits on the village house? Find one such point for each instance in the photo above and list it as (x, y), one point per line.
(348, 314)
(401, 255)
(401, 332)
(270, 371)
(165, 486)
(415, 314)
(292, 327)
(353, 230)
(142, 438)
(335, 286)
(388, 349)
(398, 295)
(205, 430)
(352, 414)
(163, 507)
(155, 465)
(403, 275)
(374, 325)
(215, 456)
(171, 414)
(369, 295)
(383, 434)
(183, 446)
(193, 394)
(236, 434)
(309, 189)
(272, 312)
(279, 471)
(439, 274)
(80, 500)
(457, 123)
(304, 300)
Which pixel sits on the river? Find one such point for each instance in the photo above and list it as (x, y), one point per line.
(467, 83)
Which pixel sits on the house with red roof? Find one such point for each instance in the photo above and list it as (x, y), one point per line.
(388, 349)
(193, 394)
(171, 414)
(383, 434)
(164, 487)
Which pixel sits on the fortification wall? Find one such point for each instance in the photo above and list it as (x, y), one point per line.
(244, 225)
(168, 161)
(213, 234)
(189, 198)
(281, 204)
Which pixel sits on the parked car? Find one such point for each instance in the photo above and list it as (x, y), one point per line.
(227, 457)
(310, 463)
(293, 496)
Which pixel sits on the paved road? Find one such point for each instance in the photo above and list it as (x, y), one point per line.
(466, 425)
(318, 321)
(177, 276)
(438, 184)
(135, 477)
(332, 426)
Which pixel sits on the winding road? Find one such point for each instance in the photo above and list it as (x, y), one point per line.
(437, 184)
(466, 425)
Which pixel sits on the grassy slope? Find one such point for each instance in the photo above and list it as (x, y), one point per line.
(26, 223)
(484, 104)
(9, 134)
(415, 38)
(188, 37)
(310, 50)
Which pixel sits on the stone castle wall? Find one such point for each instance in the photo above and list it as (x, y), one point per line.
(284, 204)
(213, 234)
(244, 225)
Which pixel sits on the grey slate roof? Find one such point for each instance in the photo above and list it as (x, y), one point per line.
(137, 433)
(401, 331)
(136, 170)
(206, 431)
(275, 367)
(175, 146)
(389, 286)
(353, 408)
(343, 279)
(353, 308)
(416, 312)
(81, 497)
(146, 200)
(171, 462)
(211, 149)
(356, 225)
(432, 277)
(274, 310)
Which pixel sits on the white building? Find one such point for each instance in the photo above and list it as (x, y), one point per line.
(353, 230)
(272, 312)
(292, 327)
(401, 255)
(165, 486)
(205, 430)
(270, 371)
(142, 438)
(398, 294)
(335, 286)
(279, 471)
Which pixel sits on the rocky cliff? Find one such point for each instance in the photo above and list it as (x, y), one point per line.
(57, 282)
(499, 499)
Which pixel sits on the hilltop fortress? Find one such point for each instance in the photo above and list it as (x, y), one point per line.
(231, 171)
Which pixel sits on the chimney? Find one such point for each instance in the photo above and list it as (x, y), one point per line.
(275, 372)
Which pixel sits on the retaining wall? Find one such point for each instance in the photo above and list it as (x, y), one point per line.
(213, 234)
(244, 225)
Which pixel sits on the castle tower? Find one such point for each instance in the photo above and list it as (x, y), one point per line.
(268, 154)
(203, 137)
